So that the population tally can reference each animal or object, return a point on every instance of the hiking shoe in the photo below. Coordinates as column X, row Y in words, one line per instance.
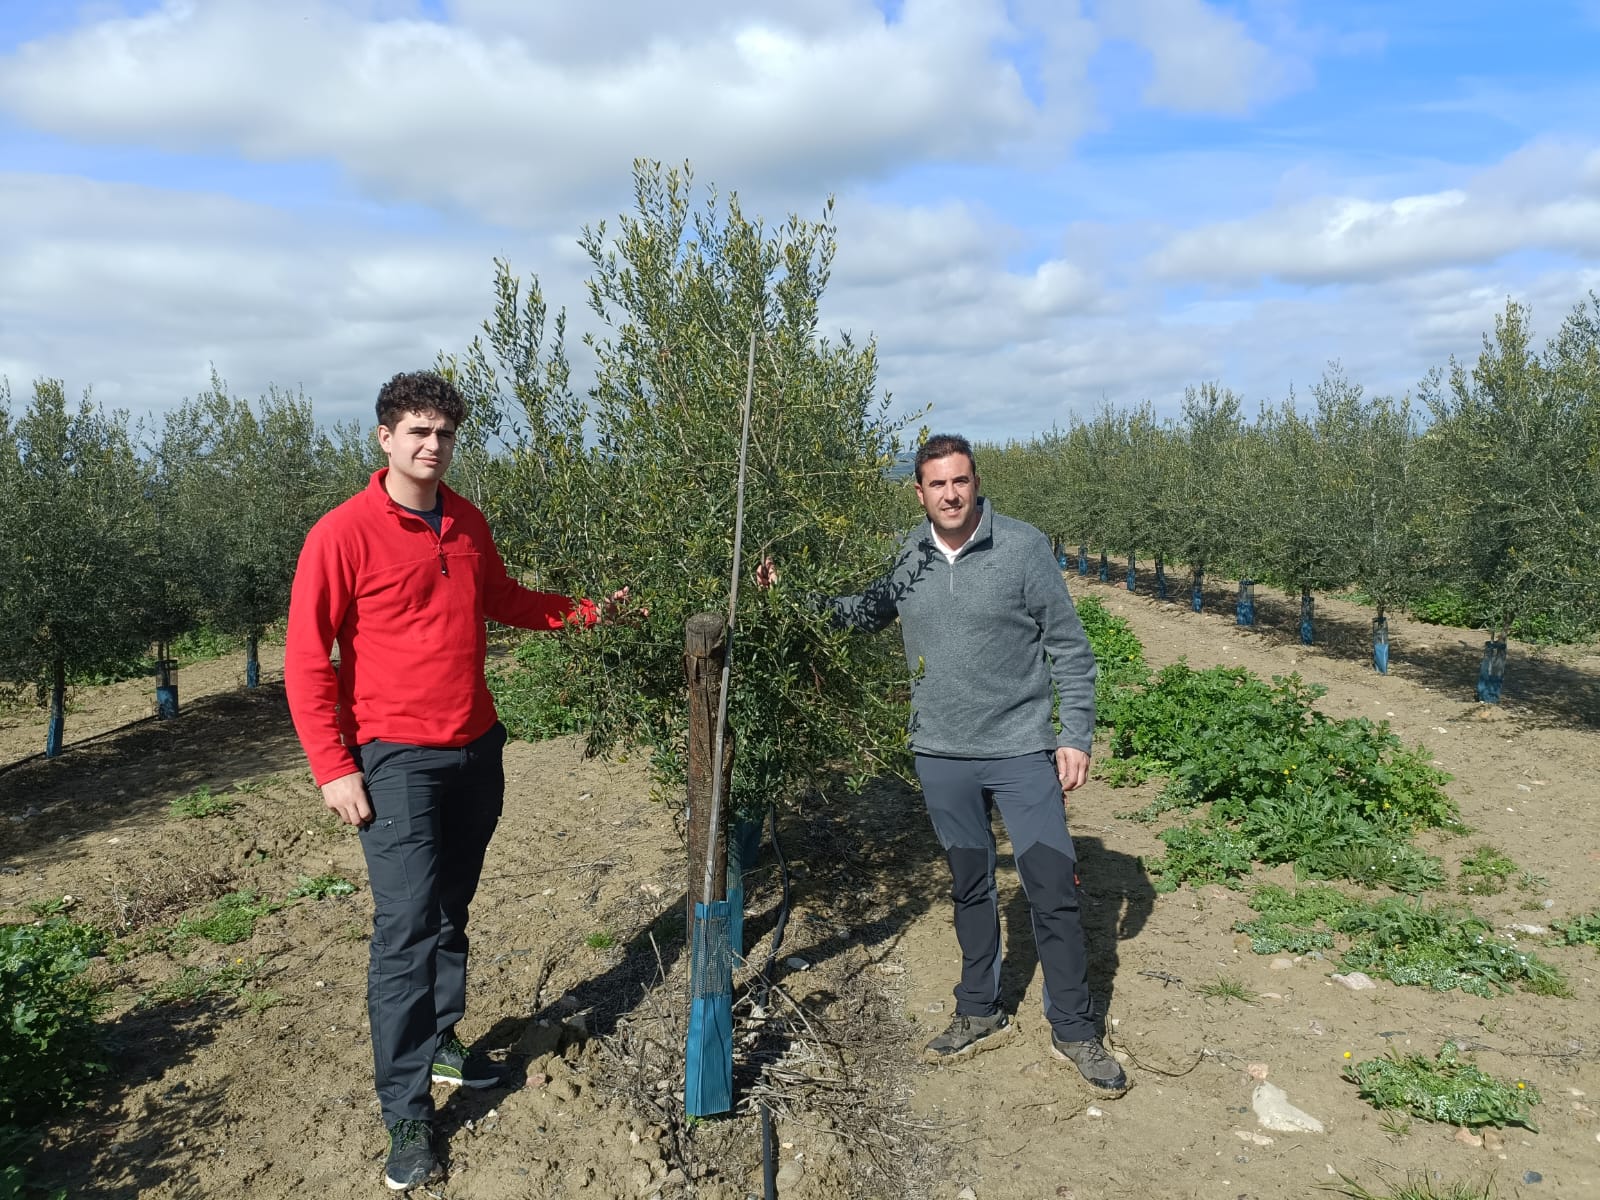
column 1094, row 1063
column 411, row 1159
column 967, row 1035
column 452, row 1064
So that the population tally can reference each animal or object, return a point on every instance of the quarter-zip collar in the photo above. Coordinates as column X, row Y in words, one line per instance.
column 984, row 533
column 380, row 495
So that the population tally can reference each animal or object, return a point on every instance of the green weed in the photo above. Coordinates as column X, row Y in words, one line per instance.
column 600, row 940
column 321, row 887
column 1443, row 948
column 193, row 984
column 1485, row 872
column 1580, row 931
column 1445, row 1089
column 229, row 919
column 1416, row 1187
column 49, row 1043
column 535, row 693
column 201, row 803
column 1226, row 988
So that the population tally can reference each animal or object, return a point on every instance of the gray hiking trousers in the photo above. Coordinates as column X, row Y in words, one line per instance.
column 434, row 811
column 961, row 795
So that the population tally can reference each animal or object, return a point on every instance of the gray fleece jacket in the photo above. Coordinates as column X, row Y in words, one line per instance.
column 985, row 636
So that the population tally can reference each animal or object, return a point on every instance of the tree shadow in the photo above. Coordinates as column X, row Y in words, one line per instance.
column 219, row 739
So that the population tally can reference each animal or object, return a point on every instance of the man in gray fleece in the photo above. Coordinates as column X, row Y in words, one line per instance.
column 988, row 627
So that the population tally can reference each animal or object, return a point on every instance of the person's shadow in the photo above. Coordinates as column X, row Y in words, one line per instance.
column 1116, row 898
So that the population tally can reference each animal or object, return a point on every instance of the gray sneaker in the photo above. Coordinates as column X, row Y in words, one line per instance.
column 967, row 1035
column 454, row 1064
column 1094, row 1063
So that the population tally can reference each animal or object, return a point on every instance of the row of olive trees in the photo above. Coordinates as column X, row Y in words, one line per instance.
column 126, row 536
column 1488, row 492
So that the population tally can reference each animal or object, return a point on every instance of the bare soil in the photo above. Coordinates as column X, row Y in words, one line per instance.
column 262, row 1088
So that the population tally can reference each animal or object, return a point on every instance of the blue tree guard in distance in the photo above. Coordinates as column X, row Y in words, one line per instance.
column 55, row 731
column 1083, row 560
column 1061, row 559
column 1380, row 645
column 252, row 663
column 1492, row 671
column 1244, row 611
column 1161, row 579
column 1105, row 568
column 166, row 691
column 1308, row 628
column 1133, row 574
column 1197, row 595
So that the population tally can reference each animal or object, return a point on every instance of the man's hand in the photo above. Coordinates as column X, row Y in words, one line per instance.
column 766, row 573
column 347, row 797
column 1072, row 768
column 614, row 610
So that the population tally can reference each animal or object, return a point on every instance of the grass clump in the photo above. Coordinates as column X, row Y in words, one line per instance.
column 600, row 940
column 321, row 887
column 1280, row 781
column 1445, row 1088
column 1416, row 1187
column 229, row 919
column 1227, row 989
column 1485, row 872
column 200, row 803
column 196, row 983
column 1580, row 931
column 1442, row 947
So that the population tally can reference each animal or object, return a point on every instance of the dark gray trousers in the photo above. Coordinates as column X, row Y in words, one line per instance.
column 434, row 812
column 961, row 795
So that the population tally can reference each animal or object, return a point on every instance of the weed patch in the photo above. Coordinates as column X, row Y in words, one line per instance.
column 321, row 887
column 1443, row 947
column 536, row 694
column 1445, row 1089
column 194, row 984
column 1580, row 931
column 48, row 1038
column 231, row 918
column 200, row 803
column 1485, row 872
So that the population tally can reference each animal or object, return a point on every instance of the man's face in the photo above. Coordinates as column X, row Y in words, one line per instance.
column 948, row 490
column 419, row 445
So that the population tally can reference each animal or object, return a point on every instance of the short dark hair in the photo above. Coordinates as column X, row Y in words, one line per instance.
column 420, row 392
column 939, row 446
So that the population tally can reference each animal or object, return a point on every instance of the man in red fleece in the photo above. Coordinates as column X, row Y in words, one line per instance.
column 403, row 739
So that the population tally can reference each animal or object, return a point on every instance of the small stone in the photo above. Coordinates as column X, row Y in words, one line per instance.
column 1528, row 929
column 1316, row 1028
column 1257, row 1071
column 967, row 1193
column 936, row 1006
column 1578, row 1092
column 1531, row 1177
column 1092, row 1111
column 797, row 964
column 1493, row 1141
column 789, row 1175
column 1065, row 1193
column 1547, row 905
column 113, row 841
column 1273, row 1111
column 1467, row 1138
column 1356, row 981
column 1251, row 1136
column 1281, row 964
column 1034, row 1070
column 1270, row 995
column 889, row 968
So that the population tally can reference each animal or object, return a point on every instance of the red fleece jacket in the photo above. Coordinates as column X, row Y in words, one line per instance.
column 406, row 607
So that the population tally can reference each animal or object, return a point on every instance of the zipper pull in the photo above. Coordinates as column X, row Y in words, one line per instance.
column 444, row 567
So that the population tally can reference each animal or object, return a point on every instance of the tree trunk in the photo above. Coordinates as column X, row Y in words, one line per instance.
column 252, row 659
column 58, row 709
column 705, row 647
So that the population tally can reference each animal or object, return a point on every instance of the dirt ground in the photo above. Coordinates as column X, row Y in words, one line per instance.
column 262, row 1088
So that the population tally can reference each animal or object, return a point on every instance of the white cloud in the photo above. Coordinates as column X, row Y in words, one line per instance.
column 501, row 118
column 1544, row 197
column 1203, row 59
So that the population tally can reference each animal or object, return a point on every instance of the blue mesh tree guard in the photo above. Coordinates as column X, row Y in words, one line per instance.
column 1083, row 559
column 1197, row 594
column 1308, row 612
column 744, row 848
column 252, row 663
column 1105, row 568
column 166, row 690
column 1380, row 645
column 1492, row 671
column 1244, row 609
column 1133, row 574
column 708, row 1062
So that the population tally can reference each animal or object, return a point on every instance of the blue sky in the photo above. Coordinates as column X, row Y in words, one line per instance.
column 1043, row 205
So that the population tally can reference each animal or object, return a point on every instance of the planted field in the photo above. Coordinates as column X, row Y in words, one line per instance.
column 230, row 915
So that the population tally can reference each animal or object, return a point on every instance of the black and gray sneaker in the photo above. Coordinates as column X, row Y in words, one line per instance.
column 967, row 1035
column 1094, row 1063
column 411, row 1158
column 453, row 1064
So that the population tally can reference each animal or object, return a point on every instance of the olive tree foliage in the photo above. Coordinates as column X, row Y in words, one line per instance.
column 1199, row 487
column 634, row 484
column 245, row 483
column 1512, row 459
column 80, row 548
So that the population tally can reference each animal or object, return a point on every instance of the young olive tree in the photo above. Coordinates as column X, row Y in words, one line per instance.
column 634, row 485
column 1200, row 486
column 80, row 549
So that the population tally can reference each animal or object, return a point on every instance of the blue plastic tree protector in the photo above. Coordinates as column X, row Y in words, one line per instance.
column 56, row 730
column 1061, row 559
column 708, row 1052
column 1161, row 579
column 1244, row 611
column 1197, row 595
column 1105, row 568
column 1492, row 672
column 252, row 664
column 1083, row 560
column 1308, row 609
column 744, row 848
column 1380, row 645
column 167, row 701
column 1133, row 575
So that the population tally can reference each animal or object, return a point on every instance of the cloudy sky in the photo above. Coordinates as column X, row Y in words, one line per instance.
column 1043, row 205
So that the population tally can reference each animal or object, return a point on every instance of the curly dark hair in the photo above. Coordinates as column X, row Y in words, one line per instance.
column 420, row 392
column 942, row 444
